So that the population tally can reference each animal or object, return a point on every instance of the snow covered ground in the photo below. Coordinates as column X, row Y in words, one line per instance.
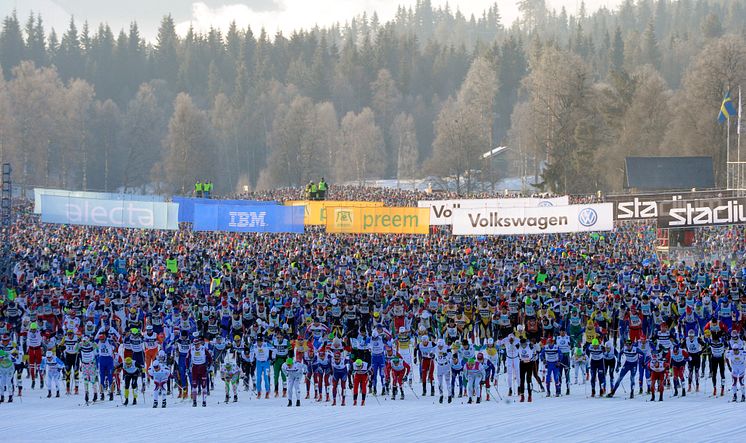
column 568, row 418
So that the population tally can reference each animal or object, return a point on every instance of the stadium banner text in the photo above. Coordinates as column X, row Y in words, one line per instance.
column 645, row 206
column 702, row 212
column 315, row 210
column 242, row 218
column 111, row 213
column 441, row 211
column 186, row 205
column 377, row 220
column 38, row 192
column 542, row 220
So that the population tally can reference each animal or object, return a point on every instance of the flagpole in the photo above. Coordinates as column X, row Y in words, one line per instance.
column 738, row 144
column 727, row 155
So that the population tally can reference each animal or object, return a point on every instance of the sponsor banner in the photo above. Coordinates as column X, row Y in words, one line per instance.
column 245, row 218
column 542, row 220
column 315, row 212
column 38, row 192
column 186, row 205
column 441, row 211
column 702, row 212
column 377, row 220
column 112, row 213
column 645, row 206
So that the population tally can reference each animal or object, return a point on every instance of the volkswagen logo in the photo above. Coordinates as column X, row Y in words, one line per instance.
column 588, row 217
column 545, row 204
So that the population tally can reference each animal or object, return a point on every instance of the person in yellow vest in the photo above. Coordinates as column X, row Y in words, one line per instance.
column 198, row 188
column 208, row 188
column 322, row 189
column 313, row 195
column 308, row 191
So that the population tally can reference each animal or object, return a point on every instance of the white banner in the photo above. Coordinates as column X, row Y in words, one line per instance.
column 113, row 213
column 542, row 220
column 38, row 192
column 441, row 211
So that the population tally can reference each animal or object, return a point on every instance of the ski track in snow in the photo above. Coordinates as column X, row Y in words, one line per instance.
column 574, row 418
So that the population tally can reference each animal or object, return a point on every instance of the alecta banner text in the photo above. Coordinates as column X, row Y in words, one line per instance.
column 315, row 212
column 542, row 220
column 377, row 220
column 186, row 205
column 241, row 218
column 441, row 211
column 113, row 213
column 38, row 192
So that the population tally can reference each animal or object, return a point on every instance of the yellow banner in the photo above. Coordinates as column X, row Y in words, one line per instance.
column 315, row 211
column 378, row 220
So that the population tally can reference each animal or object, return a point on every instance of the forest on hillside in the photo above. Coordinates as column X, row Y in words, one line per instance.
column 427, row 93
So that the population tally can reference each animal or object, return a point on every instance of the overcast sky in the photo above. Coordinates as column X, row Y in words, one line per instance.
column 273, row 15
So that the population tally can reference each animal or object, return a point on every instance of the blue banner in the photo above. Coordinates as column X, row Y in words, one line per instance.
column 186, row 205
column 112, row 213
column 243, row 218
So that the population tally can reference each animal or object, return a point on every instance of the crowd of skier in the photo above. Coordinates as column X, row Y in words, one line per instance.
column 109, row 314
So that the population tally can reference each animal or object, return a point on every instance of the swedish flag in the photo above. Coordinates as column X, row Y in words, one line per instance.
column 727, row 110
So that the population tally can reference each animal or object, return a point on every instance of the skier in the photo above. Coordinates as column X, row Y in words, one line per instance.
column 426, row 353
column 526, row 355
column 34, row 352
column 377, row 361
column 294, row 373
column 87, row 351
column 339, row 377
column 7, row 368
column 135, row 343
column 510, row 344
column 19, row 366
column 736, row 363
column 400, row 370
column 596, row 355
column 231, row 376
column 322, row 374
column 550, row 355
column 280, row 348
column 70, row 342
column 693, row 346
column 106, row 352
column 261, row 355
column 443, row 368
column 658, row 367
column 492, row 363
column 160, row 374
column 150, row 343
column 52, row 368
column 404, row 348
column 631, row 356
column 717, row 361
column 580, row 364
column 198, row 360
column 360, row 380
column 643, row 369
column 678, row 358
column 610, row 357
column 183, row 345
column 131, row 371
column 474, row 371
column 457, row 367
column 564, row 344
